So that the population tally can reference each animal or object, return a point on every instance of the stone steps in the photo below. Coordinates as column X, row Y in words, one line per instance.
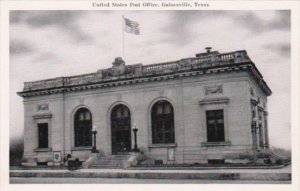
column 113, row 161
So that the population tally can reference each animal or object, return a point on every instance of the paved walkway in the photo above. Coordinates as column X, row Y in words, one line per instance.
column 286, row 169
column 283, row 174
column 37, row 180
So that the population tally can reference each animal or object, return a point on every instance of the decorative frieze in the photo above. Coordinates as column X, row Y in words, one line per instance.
column 42, row 107
column 214, row 101
column 217, row 89
column 42, row 115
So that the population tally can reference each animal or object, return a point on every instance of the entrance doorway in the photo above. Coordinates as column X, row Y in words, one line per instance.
column 120, row 130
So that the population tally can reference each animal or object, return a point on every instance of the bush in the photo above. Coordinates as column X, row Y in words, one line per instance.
column 284, row 153
column 16, row 148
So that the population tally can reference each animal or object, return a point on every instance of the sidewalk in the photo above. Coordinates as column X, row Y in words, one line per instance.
column 211, row 174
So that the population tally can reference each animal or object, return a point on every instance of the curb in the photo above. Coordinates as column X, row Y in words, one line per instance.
column 158, row 175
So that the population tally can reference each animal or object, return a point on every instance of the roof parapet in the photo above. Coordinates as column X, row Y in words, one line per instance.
column 120, row 71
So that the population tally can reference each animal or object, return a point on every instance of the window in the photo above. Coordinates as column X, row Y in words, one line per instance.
column 83, row 128
column 253, row 114
column 260, row 134
column 162, row 118
column 215, row 126
column 120, row 129
column 260, row 115
column 43, row 135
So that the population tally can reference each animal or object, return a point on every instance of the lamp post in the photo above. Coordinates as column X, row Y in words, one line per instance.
column 94, row 132
column 135, row 129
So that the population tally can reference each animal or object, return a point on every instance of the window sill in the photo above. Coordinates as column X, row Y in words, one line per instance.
column 215, row 144
column 81, row 148
column 168, row 145
column 43, row 149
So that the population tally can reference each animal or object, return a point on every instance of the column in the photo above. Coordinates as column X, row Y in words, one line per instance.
column 267, row 144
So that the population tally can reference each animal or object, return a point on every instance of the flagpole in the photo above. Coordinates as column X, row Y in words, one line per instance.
column 123, row 49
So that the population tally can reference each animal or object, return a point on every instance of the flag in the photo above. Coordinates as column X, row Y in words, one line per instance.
column 131, row 26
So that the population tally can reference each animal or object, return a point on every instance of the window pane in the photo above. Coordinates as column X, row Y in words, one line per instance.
column 81, row 116
column 219, row 113
column 119, row 114
column 87, row 115
column 215, row 125
column 211, row 121
column 209, row 114
column 167, row 109
column 220, row 121
column 125, row 113
column 159, row 109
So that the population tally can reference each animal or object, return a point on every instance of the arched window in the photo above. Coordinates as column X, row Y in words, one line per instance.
column 120, row 129
column 83, row 128
column 162, row 118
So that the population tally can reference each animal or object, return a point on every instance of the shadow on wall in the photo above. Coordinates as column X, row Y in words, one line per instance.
column 16, row 149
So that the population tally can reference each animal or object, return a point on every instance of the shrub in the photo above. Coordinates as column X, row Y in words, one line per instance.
column 16, row 152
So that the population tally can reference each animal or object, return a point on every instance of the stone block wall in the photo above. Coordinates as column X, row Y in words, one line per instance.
column 190, row 97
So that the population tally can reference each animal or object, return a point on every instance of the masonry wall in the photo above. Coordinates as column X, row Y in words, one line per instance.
column 261, row 109
column 55, row 127
column 184, row 94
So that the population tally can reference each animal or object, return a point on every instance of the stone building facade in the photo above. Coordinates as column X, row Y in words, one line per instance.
column 208, row 108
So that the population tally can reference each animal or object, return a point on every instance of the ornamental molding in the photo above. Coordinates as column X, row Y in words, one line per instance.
column 121, row 80
column 42, row 107
column 253, row 102
column 217, row 89
column 208, row 63
column 261, row 109
column 215, row 144
column 214, row 101
column 44, row 115
column 167, row 145
column 257, row 77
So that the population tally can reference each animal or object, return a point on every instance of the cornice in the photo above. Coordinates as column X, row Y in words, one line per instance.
column 254, row 102
column 259, row 80
column 121, row 75
column 137, row 80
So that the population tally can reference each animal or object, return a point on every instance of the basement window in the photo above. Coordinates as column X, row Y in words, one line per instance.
column 216, row 161
column 42, row 163
column 158, row 162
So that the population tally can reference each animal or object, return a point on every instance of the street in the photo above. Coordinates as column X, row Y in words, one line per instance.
column 38, row 180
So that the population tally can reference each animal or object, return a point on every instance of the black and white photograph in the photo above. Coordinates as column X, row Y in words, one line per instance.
column 160, row 96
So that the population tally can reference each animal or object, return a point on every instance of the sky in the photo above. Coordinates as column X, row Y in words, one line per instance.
column 49, row 44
